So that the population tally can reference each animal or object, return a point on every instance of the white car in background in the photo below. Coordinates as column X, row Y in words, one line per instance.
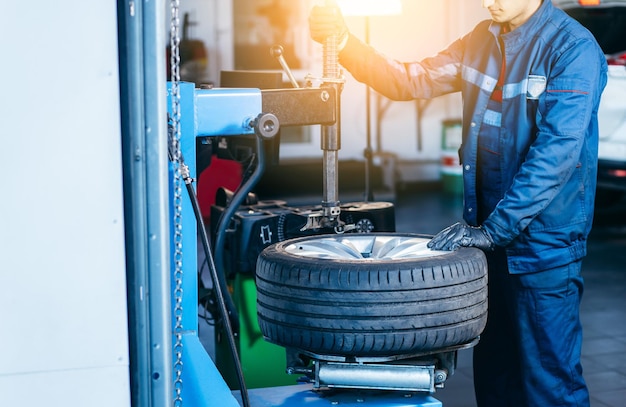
column 606, row 19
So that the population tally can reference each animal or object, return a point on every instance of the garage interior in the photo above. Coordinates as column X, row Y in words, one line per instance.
column 65, row 230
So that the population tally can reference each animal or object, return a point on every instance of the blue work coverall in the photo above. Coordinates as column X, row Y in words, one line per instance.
column 529, row 169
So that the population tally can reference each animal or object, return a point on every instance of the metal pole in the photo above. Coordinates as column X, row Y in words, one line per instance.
column 331, row 135
column 369, row 195
column 144, row 133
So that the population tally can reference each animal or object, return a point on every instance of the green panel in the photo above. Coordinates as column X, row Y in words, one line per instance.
column 263, row 363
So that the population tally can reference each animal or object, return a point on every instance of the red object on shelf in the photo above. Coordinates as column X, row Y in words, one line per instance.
column 220, row 173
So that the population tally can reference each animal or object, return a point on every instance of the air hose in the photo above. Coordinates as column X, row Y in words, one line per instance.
column 238, row 198
column 230, row 333
column 219, row 290
column 266, row 126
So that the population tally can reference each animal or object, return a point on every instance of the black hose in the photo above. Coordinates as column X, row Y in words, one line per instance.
column 225, row 303
column 219, row 283
column 219, row 295
column 229, row 212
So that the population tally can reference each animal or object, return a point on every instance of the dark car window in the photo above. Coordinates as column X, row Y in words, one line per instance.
column 608, row 25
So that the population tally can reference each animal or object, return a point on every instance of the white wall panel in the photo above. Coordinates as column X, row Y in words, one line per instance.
column 63, row 324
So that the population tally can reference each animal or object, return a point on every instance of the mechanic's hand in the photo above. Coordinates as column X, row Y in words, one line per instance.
column 325, row 21
column 461, row 235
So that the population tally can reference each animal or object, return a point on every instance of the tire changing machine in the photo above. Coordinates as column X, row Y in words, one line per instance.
column 218, row 116
column 222, row 113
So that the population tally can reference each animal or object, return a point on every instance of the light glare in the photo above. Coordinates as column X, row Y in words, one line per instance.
column 370, row 7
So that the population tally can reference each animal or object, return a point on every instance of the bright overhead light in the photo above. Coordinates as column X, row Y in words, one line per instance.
column 370, row 7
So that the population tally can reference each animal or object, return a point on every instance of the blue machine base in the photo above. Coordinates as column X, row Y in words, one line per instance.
column 303, row 395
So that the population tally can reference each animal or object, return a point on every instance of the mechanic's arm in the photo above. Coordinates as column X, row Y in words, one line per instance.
column 391, row 78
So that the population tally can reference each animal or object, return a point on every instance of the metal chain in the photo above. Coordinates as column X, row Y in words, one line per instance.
column 177, row 201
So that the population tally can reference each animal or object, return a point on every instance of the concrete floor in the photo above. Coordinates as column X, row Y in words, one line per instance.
column 425, row 209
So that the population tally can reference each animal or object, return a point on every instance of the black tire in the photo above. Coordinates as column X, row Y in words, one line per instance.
column 370, row 306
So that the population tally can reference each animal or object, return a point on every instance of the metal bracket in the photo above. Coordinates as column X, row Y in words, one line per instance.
column 301, row 107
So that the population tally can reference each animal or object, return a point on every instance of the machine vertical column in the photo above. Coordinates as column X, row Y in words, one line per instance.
column 331, row 135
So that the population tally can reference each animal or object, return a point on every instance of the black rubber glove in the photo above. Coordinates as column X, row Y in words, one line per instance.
column 325, row 21
column 461, row 235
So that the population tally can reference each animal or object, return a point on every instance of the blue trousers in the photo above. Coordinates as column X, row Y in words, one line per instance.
column 529, row 353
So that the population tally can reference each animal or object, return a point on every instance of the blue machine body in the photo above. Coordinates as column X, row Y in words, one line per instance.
column 226, row 112
column 229, row 112
column 203, row 384
column 302, row 396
